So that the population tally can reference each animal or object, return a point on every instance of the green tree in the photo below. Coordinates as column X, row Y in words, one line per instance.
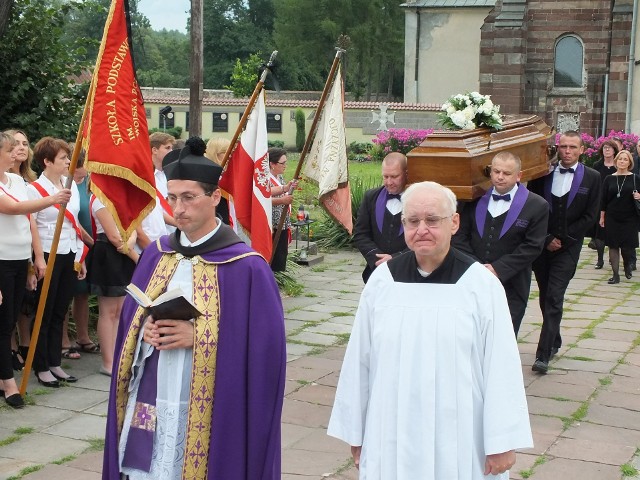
column 232, row 29
column 305, row 32
column 41, row 94
column 301, row 136
column 245, row 76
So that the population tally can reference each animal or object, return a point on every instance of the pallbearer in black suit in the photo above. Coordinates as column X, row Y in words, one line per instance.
column 505, row 230
column 378, row 232
column 573, row 194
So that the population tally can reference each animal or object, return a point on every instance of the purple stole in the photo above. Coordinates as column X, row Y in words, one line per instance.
column 139, row 447
column 575, row 185
column 381, row 207
column 515, row 208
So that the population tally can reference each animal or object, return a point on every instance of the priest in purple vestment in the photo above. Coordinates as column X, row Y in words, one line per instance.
column 199, row 399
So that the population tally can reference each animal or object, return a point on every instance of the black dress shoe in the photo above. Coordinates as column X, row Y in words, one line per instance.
column 613, row 280
column 628, row 275
column 15, row 401
column 51, row 384
column 599, row 265
column 68, row 379
column 540, row 366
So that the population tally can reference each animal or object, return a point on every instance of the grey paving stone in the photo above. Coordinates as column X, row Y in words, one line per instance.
column 319, row 464
column 305, row 414
column 559, row 468
column 307, row 316
column 62, row 472
column 603, row 433
column 314, row 338
column 41, row 448
column 298, row 350
column 80, row 427
column 315, row 393
column 330, row 328
column 601, row 344
column 629, row 401
column 591, row 451
column 577, row 365
column 613, row 416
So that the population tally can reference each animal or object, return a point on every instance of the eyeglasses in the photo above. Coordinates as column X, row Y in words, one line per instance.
column 281, row 163
column 186, row 199
column 413, row 223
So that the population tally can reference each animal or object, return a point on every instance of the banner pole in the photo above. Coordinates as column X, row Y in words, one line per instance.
column 310, row 137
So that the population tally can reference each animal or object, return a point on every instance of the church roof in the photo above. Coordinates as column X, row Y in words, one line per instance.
column 448, row 3
column 222, row 98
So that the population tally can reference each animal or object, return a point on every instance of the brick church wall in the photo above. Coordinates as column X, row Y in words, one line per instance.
column 517, row 60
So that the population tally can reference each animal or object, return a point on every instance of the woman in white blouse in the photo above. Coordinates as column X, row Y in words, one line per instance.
column 52, row 155
column 15, row 252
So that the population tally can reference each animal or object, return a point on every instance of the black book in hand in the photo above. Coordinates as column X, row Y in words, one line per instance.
column 171, row 305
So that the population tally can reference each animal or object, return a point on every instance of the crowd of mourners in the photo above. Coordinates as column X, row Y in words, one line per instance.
column 92, row 259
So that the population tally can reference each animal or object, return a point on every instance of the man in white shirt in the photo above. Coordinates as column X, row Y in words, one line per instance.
column 160, row 220
column 378, row 232
column 572, row 192
column 505, row 230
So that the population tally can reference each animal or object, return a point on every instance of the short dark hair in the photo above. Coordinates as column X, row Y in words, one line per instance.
column 275, row 154
column 572, row 133
column 48, row 148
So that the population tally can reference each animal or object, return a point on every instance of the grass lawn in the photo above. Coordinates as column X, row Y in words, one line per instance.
column 307, row 194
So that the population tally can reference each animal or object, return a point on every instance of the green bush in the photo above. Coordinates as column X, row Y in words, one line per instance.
column 301, row 136
column 275, row 143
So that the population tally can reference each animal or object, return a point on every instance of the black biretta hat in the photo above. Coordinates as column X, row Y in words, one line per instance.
column 192, row 164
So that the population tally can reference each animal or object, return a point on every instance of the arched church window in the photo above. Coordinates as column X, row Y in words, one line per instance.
column 569, row 61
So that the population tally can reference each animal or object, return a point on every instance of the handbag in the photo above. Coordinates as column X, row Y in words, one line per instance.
column 635, row 202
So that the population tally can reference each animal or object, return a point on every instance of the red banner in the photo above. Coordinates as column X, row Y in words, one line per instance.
column 115, row 134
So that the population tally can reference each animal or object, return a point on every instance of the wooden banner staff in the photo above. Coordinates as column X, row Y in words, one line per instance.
column 312, row 133
column 52, row 254
column 249, row 109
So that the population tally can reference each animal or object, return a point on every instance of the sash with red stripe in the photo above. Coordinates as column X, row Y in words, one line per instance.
column 69, row 216
column 28, row 215
column 164, row 204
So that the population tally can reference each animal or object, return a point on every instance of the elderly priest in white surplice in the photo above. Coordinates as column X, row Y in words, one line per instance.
column 431, row 386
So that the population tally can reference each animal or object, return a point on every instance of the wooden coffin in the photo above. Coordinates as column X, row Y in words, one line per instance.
column 459, row 159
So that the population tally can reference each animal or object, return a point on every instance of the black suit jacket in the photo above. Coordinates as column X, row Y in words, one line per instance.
column 369, row 239
column 582, row 207
column 512, row 252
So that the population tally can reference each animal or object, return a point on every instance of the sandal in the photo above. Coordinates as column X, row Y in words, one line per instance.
column 89, row 347
column 17, row 361
column 71, row 353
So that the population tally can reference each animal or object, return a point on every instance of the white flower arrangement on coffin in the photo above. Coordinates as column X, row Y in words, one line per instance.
column 468, row 111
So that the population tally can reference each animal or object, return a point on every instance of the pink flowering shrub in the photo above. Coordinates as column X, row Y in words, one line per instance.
column 397, row 140
column 592, row 145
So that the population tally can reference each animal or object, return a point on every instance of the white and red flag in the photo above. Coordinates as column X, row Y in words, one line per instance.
column 246, row 180
column 327, row 163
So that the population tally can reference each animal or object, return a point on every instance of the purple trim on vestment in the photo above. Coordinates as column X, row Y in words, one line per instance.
column 250, row 368
column 575, row 185
column 381, row 207
column 515, row 208
column 139, row 447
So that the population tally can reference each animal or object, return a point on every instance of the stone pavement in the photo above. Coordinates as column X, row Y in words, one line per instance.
column 585, row 413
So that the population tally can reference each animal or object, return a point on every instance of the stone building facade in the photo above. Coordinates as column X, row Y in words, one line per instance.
column 566, row 61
